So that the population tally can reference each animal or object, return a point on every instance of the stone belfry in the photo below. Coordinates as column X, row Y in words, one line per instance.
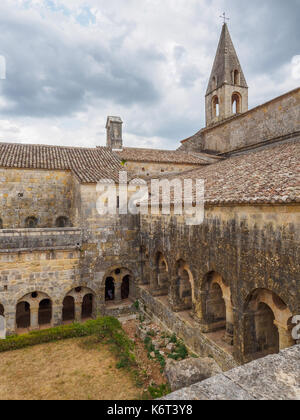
column 227, row 91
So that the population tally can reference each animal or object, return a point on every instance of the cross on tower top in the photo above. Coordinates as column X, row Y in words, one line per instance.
column 224, row 17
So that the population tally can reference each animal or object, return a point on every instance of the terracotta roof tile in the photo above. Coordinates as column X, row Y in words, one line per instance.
column 164, row 156
column 88, row 164
column 266, row 175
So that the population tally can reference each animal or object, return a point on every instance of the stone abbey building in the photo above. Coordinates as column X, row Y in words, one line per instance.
column 229, row 287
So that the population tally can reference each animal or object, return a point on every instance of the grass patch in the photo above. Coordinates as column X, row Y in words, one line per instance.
column 66, row 370
column 107, row 328
column 157, row 391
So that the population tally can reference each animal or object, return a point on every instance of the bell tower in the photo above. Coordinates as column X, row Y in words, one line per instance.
column 227, row 91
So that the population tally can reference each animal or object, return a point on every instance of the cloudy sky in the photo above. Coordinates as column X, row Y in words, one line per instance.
column 70, row 63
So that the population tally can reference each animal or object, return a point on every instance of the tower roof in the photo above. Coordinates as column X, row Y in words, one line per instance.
column 226, row 62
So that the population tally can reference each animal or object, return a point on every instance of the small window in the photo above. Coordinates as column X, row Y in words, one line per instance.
column 236, row 103
column 215, row 107
column 1, row 224
column 62, row 222
column 31, row 222
column 236, row 77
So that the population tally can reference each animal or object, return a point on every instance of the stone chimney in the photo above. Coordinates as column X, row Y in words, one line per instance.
column 114, row 133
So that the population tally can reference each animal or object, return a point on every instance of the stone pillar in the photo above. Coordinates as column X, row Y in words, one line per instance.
column 34, row 317
column 199, row 310
column 78, row 309
column 239, row 336
column 2, row 328
column 57, row 315
column 118, row 294
column 229, row 322
column 153, row 280
column 10, row 317
column 173, row 293
column 285, row 336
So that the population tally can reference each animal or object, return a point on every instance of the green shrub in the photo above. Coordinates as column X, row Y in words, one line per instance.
column 159, row 391
column 92, row 327
column 149, row 345
column 136, row 305
column 180, row 352
column 173, row 339
column 160, row 358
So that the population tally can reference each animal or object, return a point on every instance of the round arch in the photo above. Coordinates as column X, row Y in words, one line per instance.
column 184, row 287
column 161, row 280
column 215, row 106
column 236, row 103
column 118, row 282
column 266, row 324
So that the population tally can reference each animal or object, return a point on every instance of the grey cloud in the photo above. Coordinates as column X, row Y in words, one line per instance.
column 49, row 76
column 268, row 31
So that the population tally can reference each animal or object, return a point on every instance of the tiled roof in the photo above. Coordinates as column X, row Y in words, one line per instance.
column 88, row 164
column 164, row 156
column 266, row 175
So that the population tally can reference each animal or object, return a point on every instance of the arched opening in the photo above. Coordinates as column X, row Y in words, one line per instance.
column 215, row 306
column 215, row 107
column 236, row 77
column 261, row 334
column 125, row 288
column 267, row 324
column 1, row 310
column 62, row 222
column 87, row 306
column 45, row 312
column 216, row 313
column 162, row 275
column 185, row 289
column 68, row 308
column 31, row 222
column 184, row 299
column 23, row 315
column 109, row 289
column 236, row 103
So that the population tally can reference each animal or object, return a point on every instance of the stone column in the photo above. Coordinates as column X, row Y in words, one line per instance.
column 285, row 336
column 78, row 309
column 34, row 317
column 57, row 315
column 153, row 280
column 229, row 322
column 10, row 318
column 118, row 294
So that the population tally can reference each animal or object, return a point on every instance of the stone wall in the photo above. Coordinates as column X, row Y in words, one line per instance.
column 110, row 242
column 239, row 257
column 45, row 195
column 184, row 327
column 275, row 377
column 53, row 262
column 33, row 239
column 53, row 273
column 156, row 169
column 277, row 118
